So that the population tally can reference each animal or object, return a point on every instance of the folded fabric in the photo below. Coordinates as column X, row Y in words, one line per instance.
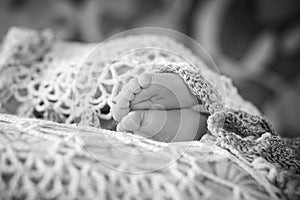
column 46, row 160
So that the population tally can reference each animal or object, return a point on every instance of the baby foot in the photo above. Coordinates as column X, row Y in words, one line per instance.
column 165, row 125
column 153, row 91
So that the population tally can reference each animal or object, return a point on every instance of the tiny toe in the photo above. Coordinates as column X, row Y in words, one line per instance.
column 134, row 86
column 132, row 121
column 126, row 94
column 144, row 80
column 122, row 103
column 118, row 113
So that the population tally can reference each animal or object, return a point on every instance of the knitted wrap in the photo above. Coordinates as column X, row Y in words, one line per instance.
column 240, row 158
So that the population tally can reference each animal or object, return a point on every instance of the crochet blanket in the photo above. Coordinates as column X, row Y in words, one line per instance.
column 239, row 158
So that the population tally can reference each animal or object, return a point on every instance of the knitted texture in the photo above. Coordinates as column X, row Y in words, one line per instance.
column 47, row 80
column 56, row 85
column 45, row 160
column 248, row 136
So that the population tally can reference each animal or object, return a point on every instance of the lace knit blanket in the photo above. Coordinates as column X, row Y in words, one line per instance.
column 71, row 154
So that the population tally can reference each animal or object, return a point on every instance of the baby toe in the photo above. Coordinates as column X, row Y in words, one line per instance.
column 122, row 103
column 144, row 80
column 118, row 113
column 126, row 94
column 132, row 121
column 133, row 86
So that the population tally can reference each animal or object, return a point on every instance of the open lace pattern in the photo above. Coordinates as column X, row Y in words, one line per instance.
column 40, row 78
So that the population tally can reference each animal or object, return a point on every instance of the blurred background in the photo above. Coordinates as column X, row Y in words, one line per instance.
column 255, row 42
